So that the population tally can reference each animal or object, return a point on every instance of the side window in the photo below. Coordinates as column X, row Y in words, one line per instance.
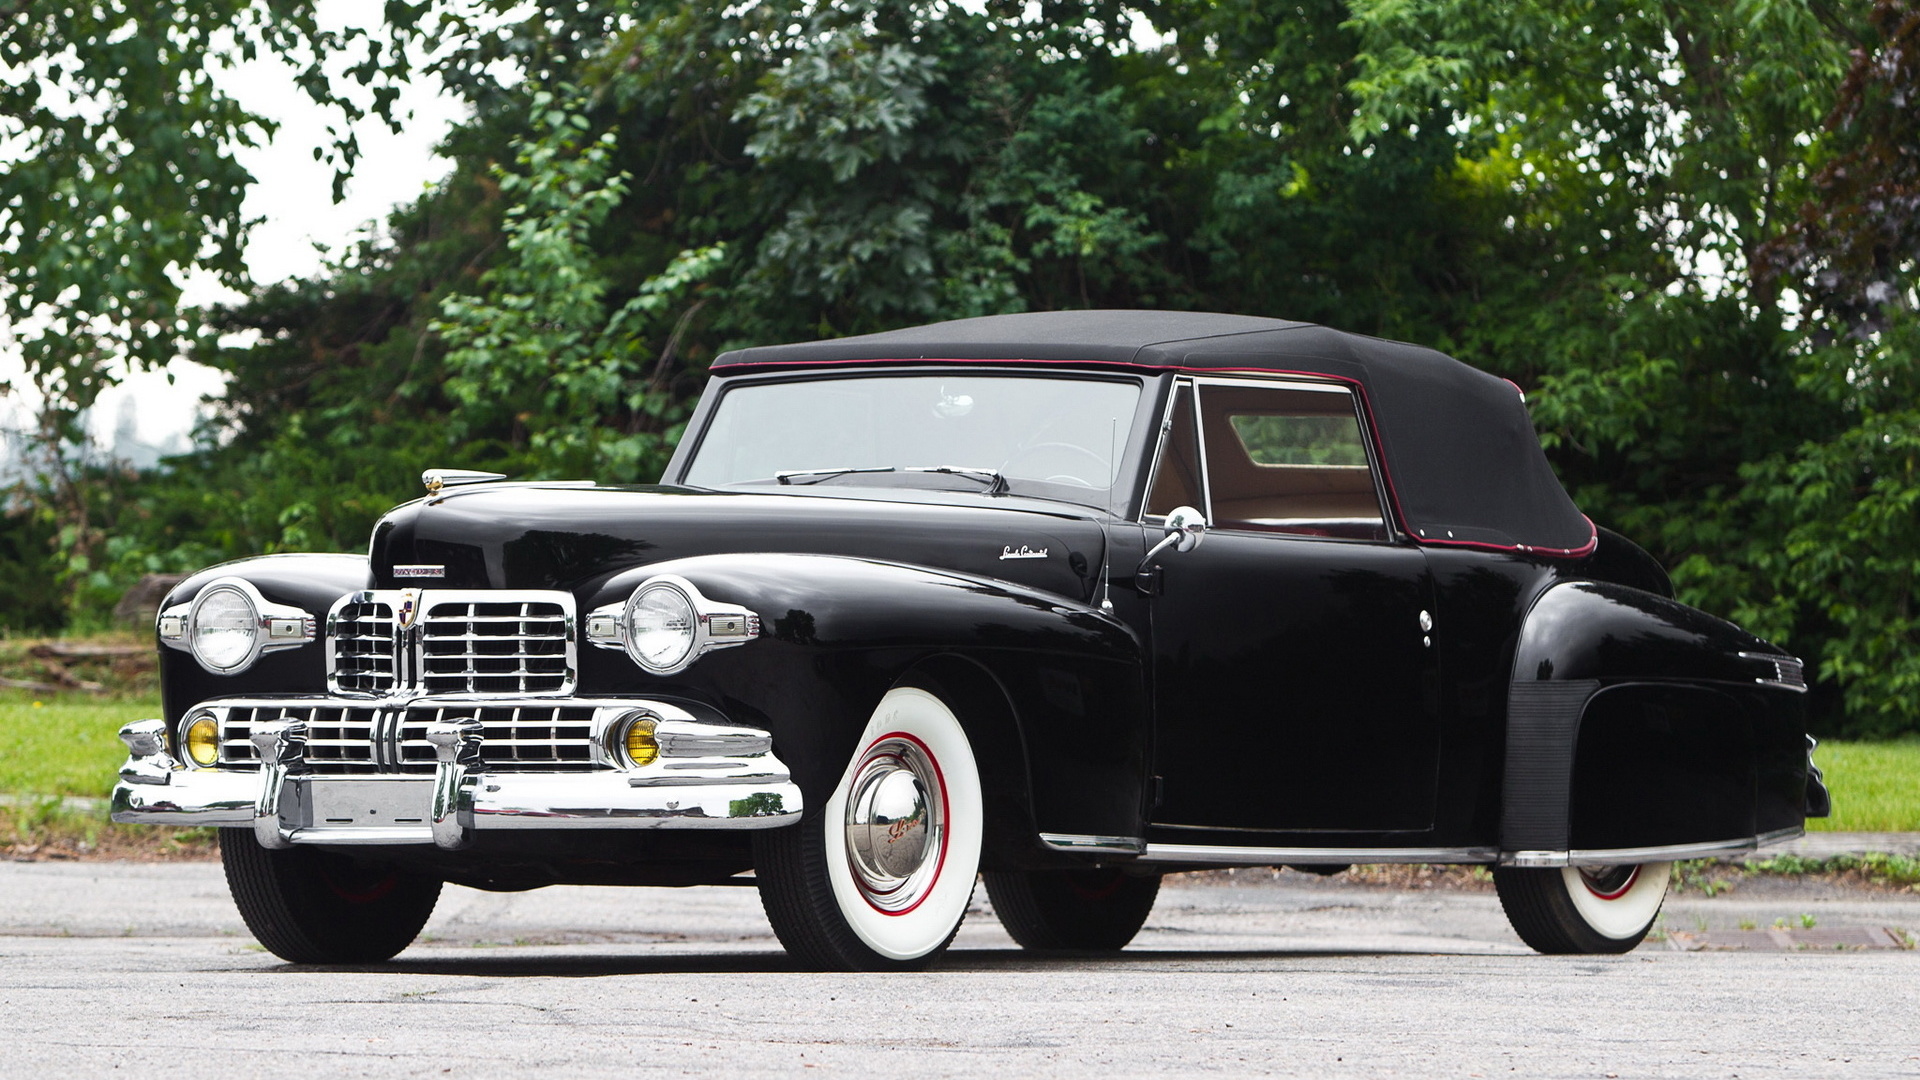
column 1177, row 482
column 1289, row 461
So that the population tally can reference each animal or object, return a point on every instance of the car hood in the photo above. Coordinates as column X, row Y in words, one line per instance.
column 574, row 537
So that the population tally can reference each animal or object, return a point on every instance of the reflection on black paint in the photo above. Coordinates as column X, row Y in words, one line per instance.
column 796, row 626
column 559, row 560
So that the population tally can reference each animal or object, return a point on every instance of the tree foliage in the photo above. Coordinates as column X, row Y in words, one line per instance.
column 1689, row 231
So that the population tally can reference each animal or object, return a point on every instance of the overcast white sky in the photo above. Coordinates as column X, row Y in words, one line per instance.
column 301, row 227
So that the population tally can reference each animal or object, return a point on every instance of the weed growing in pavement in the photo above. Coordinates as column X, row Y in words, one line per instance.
column 1876, row 868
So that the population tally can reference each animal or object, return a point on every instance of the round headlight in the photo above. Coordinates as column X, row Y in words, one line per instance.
column 202, row 741
column 660, row 622
column 224, row 629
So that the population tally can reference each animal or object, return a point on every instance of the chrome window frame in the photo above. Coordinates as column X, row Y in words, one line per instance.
column 1197, row 384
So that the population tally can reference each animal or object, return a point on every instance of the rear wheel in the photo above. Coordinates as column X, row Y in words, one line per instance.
column 879, row 877
column 310, row 906
column 1595, row 909
column 1093, row 910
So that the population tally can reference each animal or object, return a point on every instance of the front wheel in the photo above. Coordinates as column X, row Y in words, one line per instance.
column 880, row 877
column 1583, row 909
column 309, row 906
column 1093, row 910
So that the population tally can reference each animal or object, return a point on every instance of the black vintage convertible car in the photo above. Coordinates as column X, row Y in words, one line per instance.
column 1069, row 600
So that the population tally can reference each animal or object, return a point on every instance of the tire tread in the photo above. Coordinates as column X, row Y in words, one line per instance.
column 282, row 897
column 1041, row 911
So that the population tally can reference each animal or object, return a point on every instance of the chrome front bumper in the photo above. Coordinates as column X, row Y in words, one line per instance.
column 735, row 782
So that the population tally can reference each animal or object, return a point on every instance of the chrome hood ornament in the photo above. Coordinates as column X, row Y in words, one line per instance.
column 435, row 479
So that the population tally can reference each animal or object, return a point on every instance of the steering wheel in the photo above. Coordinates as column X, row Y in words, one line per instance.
column 1099, row 463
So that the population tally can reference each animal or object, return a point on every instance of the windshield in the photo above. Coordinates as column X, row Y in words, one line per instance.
column 1052, row 437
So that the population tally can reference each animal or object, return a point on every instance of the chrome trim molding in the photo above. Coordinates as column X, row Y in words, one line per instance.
column 1661, row 853
column 1789, row 672
column 1118, row 845
column 1212, row 855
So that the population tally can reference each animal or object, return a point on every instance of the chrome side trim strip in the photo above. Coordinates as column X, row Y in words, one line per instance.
column 1661, row 853
column 1121, row 845
column 1210, row 855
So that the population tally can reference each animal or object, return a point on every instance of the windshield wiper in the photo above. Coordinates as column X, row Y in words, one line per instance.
column 996, row 484
column 828, row 474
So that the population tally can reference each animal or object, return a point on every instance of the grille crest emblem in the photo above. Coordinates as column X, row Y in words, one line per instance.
column 409, row 607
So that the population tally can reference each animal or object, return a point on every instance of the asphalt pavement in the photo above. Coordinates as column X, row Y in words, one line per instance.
column 110, row 967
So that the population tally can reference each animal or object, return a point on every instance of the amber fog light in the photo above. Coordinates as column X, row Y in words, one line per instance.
column 201, row 741
column 637, row 741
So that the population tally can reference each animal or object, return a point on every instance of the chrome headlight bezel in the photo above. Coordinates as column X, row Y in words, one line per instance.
column 274, row 626
column 713, row 626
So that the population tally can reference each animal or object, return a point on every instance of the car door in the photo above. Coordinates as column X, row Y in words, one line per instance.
column 1295, row 684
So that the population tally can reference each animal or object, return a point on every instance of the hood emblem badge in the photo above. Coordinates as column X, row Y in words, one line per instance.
column 409, row 607
column 1022, row 552
column 402, row 571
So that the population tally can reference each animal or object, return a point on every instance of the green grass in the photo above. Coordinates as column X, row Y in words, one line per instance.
column 1875, row 785
column 65, row 745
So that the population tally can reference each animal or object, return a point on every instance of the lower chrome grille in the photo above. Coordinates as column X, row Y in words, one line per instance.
column 339, row 739
column 344, row 739
column 547, row 737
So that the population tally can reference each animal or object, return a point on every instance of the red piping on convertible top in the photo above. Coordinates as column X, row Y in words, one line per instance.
column 1393, row 493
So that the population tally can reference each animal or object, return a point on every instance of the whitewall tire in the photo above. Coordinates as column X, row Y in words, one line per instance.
column 881, row 877
column 1600, row 909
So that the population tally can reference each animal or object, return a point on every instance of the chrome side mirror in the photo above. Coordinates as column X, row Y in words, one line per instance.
column 1186, row 527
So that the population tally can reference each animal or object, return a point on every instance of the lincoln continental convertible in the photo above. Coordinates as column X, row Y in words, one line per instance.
column 1060, row 603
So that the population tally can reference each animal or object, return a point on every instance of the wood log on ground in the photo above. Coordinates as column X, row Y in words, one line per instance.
column 65, row 650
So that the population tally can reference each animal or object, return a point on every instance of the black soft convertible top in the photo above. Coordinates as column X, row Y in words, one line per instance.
column 1463, row 463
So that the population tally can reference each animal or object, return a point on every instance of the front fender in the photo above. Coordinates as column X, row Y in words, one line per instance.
column 311, row 582
column 837, row 633
column 1634, row 721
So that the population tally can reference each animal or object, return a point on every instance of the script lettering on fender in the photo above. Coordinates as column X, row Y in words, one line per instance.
column 1022, row 552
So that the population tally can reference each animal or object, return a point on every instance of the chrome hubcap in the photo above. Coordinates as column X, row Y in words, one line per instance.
column 894, row 830
column 1609, row 882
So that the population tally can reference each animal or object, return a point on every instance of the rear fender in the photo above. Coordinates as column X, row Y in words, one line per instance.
column 1634, row 721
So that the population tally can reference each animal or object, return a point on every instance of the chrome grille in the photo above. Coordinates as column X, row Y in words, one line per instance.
column 340, row 739
column 547, row 737
column 345, row 739
column 403, row 642
column 494, row 647
column 363, row 648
